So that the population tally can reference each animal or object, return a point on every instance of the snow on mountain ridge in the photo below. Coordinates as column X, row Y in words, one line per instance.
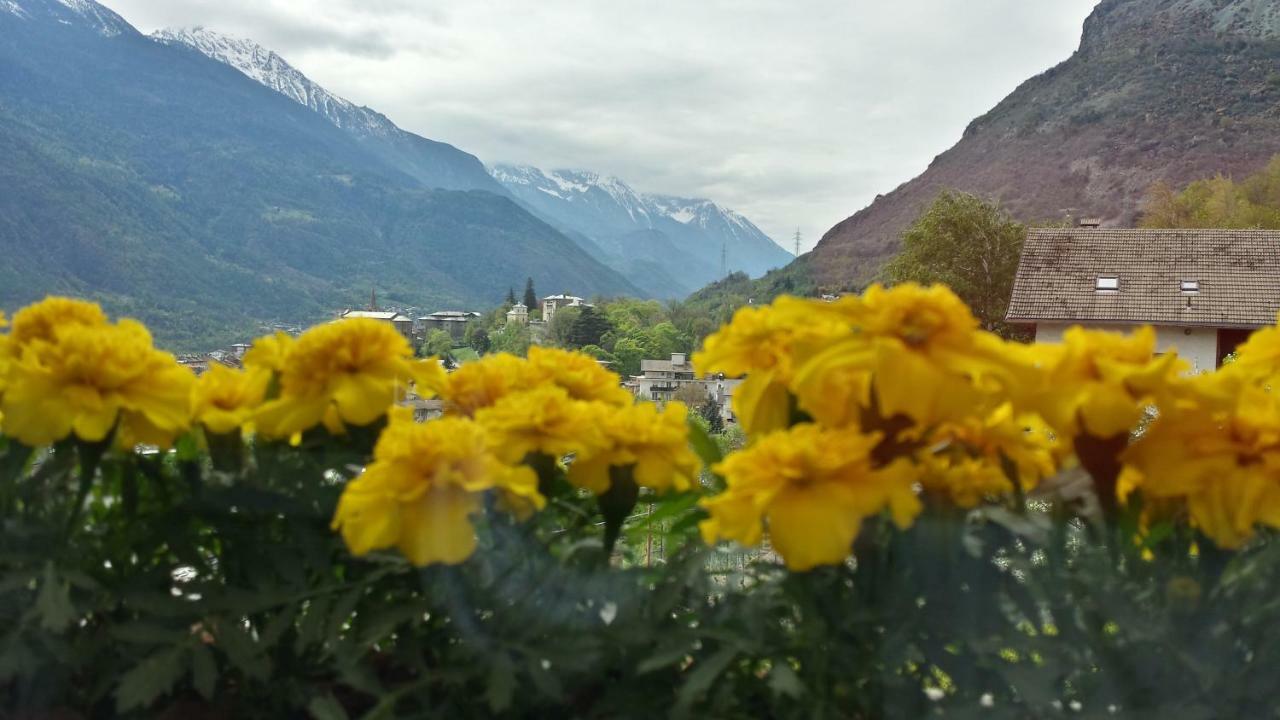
column 269, row 69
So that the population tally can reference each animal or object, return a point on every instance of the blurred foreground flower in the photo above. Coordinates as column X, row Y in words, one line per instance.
column 70, row 371
column 348, row 371
column 424, row 484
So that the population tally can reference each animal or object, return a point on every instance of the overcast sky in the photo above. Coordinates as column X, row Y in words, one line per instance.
column 796, row 113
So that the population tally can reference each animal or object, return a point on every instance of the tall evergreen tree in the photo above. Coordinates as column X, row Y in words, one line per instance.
column 511, row 297
column 710, row 411
column 530, row 297
column 589, row 327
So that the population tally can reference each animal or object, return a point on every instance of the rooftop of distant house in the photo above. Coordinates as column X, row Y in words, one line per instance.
column 1211, row 278
column 374, row 314
column 678, row 362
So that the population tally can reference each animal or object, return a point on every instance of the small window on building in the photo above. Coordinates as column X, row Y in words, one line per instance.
column 1107, row 282
column 1190, row 286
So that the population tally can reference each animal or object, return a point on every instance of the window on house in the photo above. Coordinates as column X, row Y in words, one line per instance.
column 1107, row 282
column 1190, row 286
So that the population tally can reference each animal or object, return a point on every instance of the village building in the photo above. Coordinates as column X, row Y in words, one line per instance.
column 402, row 323
column 1204, row 291
column 519, row 313
column 660, row 380
column 551, row 303
column 453, row 322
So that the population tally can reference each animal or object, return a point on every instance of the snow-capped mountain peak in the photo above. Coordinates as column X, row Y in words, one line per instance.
column 659, row 240
column 271, row 70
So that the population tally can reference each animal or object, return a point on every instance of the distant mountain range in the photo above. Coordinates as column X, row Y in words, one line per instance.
column 178, row 190
column 1171, row 90
column 671, row 245
column 667, row 246
column 434, row 164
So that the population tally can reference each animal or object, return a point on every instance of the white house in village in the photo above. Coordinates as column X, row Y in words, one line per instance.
column 518, row 314
column 551, row 303
column 660, row 380
column 1204, row 291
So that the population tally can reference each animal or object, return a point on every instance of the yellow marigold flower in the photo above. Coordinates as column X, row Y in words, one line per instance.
column 767, row 344
column 581, row 375
column 918, row 348
column 269, row 352
column 1099, row 382
column 543, row 420
column 966, row 459
column 89, row 377
column 480, row 384
column 1223, row 460
column 425, row 482
column 812, row 486
column 45, row 319
column 772, row 338
column 1259, row 356
column 349, row 371
column 655, row 442
column 224, row 400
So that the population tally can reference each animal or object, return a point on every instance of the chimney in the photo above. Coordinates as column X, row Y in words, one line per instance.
column 1090, row 222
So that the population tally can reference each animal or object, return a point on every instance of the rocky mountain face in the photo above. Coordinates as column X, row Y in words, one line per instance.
column 1170, row 90
column 177, row 190
column 668, row 245
column 433, row 163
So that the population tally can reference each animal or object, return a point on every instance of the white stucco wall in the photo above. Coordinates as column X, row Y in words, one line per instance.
column 1197, row 345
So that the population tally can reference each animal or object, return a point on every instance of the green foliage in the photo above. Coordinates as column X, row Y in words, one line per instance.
column 1218, row 202
column 969, row 244
column 710, row 411
column 181, row 589
column 511, row 338
column 589, row 328
column 530, row 297
column 560, row 329
column 438, row 343
column 477, row 338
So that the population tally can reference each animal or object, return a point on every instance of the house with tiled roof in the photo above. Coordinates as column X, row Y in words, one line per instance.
column 1204, row 291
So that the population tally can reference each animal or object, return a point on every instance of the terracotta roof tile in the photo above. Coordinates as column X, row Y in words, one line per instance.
column 1238, row 272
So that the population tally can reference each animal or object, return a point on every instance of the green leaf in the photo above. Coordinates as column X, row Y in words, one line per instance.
column 501, row 685
column 204, row 671
column 241, row 650
column 325, row 707
column 144, row 633
column 54, row 601
column 669, row 653
column 783, row 680
column 149, row 679
column 699, row 680
column 703, row 444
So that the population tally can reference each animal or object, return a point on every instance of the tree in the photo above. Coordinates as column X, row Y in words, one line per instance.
column 693, row 394
column 969, row 244
column 511, row 338
column 530, row 297
column 560, row 329
column 478, row 338
column 588, row 328
column 511, row 297
column 438, row 343
column 1217, row 202
column 710, row 411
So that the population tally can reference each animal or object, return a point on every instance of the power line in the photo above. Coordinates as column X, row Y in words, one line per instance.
column 797, row 242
